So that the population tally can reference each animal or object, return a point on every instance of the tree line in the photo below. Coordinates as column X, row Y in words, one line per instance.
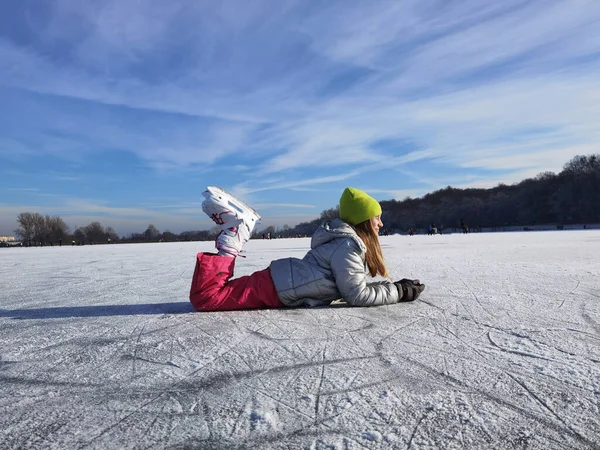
column 569, row 197
column 35, row 229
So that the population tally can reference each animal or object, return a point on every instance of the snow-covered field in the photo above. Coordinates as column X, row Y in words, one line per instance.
column 100, row 348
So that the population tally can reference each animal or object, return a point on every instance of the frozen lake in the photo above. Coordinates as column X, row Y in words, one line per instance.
column 100, row 348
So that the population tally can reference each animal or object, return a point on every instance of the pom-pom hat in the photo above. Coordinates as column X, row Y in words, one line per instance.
column 356, row 206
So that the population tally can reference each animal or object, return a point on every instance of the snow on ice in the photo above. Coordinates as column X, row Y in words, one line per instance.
column 100, row 348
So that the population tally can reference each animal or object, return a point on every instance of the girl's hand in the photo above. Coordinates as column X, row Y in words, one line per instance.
column 409, row 289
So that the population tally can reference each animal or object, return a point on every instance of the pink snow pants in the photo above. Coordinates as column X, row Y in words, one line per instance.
column 213, row 290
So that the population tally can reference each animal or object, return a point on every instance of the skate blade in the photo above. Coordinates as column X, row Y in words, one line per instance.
column 232, row 201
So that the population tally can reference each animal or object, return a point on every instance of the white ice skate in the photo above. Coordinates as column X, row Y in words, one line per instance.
column 236, row 219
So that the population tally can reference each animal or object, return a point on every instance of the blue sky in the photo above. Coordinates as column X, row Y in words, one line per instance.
column 123, row 111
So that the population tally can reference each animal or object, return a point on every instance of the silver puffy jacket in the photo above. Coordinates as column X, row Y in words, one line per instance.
column 333, row 269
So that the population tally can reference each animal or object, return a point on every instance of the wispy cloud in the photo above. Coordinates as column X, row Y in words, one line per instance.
column 23, row 190
column 283, row 205
column 243, row 189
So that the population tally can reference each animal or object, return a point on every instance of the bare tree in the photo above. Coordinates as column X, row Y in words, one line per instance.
column 26, row 230
column 582, row 164
column 331, row 213
column 39, row 228
column 151, row 233
column 168, row 236
column 33, row 227
column 55, row 228
column 94, row 232
column 79, row 235
column 270, row 230
column 111, row 234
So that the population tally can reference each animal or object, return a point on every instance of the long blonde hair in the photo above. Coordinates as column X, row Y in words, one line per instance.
column 374, row 256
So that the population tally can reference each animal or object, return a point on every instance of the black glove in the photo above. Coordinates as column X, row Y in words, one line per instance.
column 409, row 289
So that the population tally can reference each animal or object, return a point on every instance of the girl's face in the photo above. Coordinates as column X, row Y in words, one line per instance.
column 376, row 223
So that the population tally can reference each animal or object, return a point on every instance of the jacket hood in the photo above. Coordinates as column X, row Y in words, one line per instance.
column 335, row 229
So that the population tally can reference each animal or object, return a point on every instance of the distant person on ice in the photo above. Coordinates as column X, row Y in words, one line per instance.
column 343, row 252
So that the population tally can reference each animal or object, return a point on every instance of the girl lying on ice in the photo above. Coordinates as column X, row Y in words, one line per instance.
column 343, row 252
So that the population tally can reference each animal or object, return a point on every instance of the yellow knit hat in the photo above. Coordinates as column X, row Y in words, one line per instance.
column 356, row 206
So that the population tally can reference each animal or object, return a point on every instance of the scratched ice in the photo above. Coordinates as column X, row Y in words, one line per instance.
column 100, row 349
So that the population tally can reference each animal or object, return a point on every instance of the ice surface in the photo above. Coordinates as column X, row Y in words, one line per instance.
column 100, row 349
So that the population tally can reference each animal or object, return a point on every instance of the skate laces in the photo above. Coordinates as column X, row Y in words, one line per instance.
column 231, row 231
column 230, row 241
column 217, row 218
column 225, row 217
